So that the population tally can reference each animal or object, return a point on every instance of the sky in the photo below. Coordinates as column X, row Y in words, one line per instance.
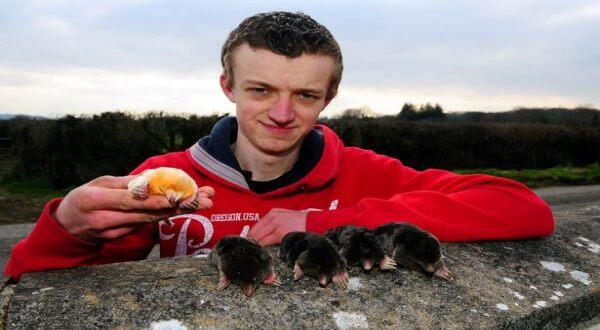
column 62, row 57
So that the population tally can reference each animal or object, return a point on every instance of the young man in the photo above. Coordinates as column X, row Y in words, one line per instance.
column 271, row 171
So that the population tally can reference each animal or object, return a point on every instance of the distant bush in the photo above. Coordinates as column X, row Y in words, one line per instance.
column 72, row 150
column 427, row 111
column 580, row 116
column 555, row 116
column 474, row 145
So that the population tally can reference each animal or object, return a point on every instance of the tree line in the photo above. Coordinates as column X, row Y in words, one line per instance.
column 74, row 149
column 581, row 116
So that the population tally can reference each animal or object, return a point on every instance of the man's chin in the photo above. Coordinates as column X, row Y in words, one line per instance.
column 279, row 149
column 277, row 152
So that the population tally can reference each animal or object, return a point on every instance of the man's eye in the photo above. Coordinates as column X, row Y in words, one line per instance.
column 307, row 96
column 258, row 90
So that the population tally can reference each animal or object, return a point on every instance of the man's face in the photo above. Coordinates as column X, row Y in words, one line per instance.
column 278, row 99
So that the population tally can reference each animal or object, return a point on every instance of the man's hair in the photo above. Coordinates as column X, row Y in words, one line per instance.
column 284, row 33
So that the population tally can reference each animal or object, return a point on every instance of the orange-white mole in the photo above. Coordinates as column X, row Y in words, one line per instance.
column 173, row 183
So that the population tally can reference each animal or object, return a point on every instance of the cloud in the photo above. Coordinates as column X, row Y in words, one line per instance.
column 76, row 91
column 584, row 13
column 12, row 78
column 456, row 98
column 90, row 91
column 53, row 25
column 69, row 56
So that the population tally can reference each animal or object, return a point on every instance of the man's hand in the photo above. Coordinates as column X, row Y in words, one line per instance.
column 276, row 224
column 103, row 209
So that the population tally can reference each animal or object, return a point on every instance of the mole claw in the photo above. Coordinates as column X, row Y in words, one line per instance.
column 298, row 273
column 342, row 284
column 443, row 273
column 341, row 280
column 272, row 279
column 387, row 264
column 223, row 283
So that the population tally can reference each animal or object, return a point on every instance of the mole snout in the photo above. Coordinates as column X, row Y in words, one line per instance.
column 316, row 256
column 243, row 261
column 413, row 248
column 359, row 246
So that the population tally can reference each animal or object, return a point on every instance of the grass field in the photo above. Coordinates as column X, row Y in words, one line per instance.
column 23, row 201
column 556, row 176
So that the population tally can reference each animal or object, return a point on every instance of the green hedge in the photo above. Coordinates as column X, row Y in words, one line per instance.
column 474, row 145
column 72, row 150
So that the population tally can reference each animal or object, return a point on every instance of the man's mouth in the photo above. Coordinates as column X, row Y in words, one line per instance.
column 278, row 129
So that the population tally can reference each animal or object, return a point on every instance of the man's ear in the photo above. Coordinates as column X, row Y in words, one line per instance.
column 226, row 87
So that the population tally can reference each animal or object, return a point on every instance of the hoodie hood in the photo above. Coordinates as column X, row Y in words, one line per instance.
column 212, row 156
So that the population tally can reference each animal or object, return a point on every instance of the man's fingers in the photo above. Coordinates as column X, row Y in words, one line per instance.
column 258, row 227
column 205, row 203
column 261, row 232
column 206, row 191
column 119, row 199
column 115, row 220
column 112, row 182
column 261, row 229
column 203, row 196
column 119, row 232
column 272, row 239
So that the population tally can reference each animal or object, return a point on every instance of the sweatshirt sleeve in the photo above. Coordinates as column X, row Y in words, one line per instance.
column 49, row 246
column 453, row 207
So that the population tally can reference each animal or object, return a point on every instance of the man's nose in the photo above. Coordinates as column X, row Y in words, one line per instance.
column 282, row 112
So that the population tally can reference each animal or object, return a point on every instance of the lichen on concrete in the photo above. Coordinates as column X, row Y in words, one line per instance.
column 6, row 291
column 496, row 285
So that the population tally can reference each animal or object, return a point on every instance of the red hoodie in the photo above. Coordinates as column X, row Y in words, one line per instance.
column 348, row 185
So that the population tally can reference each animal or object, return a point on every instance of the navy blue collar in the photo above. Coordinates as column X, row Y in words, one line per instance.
column 224, row 134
